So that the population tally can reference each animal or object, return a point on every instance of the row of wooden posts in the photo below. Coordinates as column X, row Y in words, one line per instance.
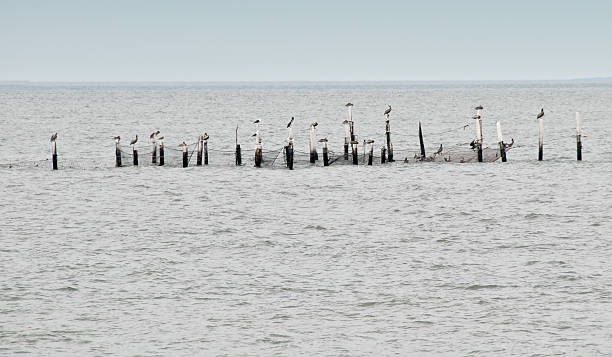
column 350, row 139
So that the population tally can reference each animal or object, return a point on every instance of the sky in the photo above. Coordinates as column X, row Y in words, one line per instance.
column 375, row 40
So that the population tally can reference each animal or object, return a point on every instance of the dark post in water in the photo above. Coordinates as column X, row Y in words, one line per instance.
column 578, row 138
column 205, row 148
column 154, row 152
column 258, row 148
column 421, row 142
column 238, row 152
column 135, row 156
column 478, row 141
column 161, row 151
column 541, row 139
column 371, row 155
column 354, row 144
column 185, row 154
column 324, row 150
column 53, row 152
column 314, row 156
column 383, row 154
column 347, row 138
column 500, row 141
column 388, row 134
column 200, row 147
column 117, row 152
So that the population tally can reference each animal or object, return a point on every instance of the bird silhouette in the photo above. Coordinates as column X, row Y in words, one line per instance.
column 205, row 137
column 439, row 150
column 134, row 140
column 290, row 122
column 348, row 104
column 388, row 110
column 53, row 137
column 541, row 114
column 475, row 117
column 153, row 134
column 314, row 124
column 256, row 121
column 117, row 137
column 324, row 140
column 479, row 107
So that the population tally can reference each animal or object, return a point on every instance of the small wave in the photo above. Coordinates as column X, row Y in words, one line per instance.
column 483, row 286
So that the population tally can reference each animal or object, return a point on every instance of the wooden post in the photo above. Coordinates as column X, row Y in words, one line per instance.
column 383, row 154
column 347, row 135
column 389, row 145
column 500, row 141
column 238, row 155
column 53, row 155
column 479, row 136
column 421, row 142
column 199, row 154
column 324, row 150
column 289, row 147
column 258, row 148
column 185, row 155
column 578, row 137
column 541, row 140
column 258, row 155
column 154, row 153
column 371, row 155
column 161, row 153
column 206, row 150
column 314, row 156
column 354, row 144
column 135, row 156
column 117, row 153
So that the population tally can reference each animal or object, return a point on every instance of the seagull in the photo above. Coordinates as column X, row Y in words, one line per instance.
column 205, row 137
column 117, row 137
column 324, row 140
column 134, row 140
column 348, row 104
column 290, row 122
column 473, row 144
column 541, row 114
column 474, row 117
column 314, row 124
column 53, row 137
column 345, row 121
column 479, row 107
column 254, row 134
column 153, row 134
column 370, row 141
column 182, row 144
column 439, row 150
column 510, row 145
column 256, row 121
column 355, row 142
column 388, row 110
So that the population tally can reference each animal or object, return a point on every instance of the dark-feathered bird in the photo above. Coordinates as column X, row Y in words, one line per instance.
column 388, row 110
column 182, row 144
column 205, row 137
column 479, row 107
column 254, row 134
column 348, row 105
column 473, row 144
column 345, row 121
column 53, row 137
column 370, row 141
column 324, row 140
column 290, row 122
column 134, row 141
column 439, row 150
column 117, row 137
column 314, row 124
column 541, row 114
column 256, row 121
column 475, row 117
column 153, row 134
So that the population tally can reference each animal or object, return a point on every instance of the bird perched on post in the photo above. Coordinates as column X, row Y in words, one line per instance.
column 388, row 110
column 53, row 137
column 154, row 134
column 439, row 150
column 314, row 124
column 348, row 104
column 256, row 121
column 479, row 107
column 134, row 140
column 117, row 138
column 205, row 136
column 509, row 145
column 182, row 144
column 474, row 117
column 324, row 140
column 541, row 114
column 290, row 122
column 370, row 141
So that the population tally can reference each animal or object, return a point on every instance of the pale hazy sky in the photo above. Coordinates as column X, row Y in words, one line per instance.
column 133, row 40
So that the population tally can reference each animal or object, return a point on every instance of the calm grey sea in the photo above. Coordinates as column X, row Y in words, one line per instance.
column 402, row 259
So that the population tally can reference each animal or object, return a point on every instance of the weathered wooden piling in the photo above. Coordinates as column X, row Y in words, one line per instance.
column 578, row 137
column 383, row 154
column 161, row 153
column 421, row 142
column 500, row 141
column 134, row 156
column 205, row 149
column 541, row 139
column 324, row 150
column 258, row 147
column 185, row 154
column 117, row 152
column 371, row 155
column 389, row 145
column 53, row 152
column 479, row 135
column 200, row 148
column 354, row 144
column 289, row 155
column 347, row 138
column 238, row 151
column 314, row 156
column 154, row 152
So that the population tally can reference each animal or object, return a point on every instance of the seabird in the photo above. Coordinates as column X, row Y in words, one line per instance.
column 117, row 137
column 541, row 114
column 254, row 134
column 324, row 140
column 134, row 140
column 479, row 107
column 53, row 137
column 388, row 110
column 290, row 122
column 345, row 121
column 474, row 117
column 439, row 150
column 182, row 144
column 205, row 137
column 153, row 134
column 510, row 145
column 473, row 144
column 314, row 124
column 256, row 121
column 370, row 141
column 348, row 105
column 355, row 142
